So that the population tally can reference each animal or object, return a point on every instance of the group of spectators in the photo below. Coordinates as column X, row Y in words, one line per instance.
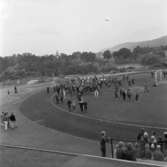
column 8, row 120
column 15, row 90
column 165, row 74
column 151, row 146
column 73, row 90
column 59, row 93
column 124, row 90
column 127, row 95
column 147, row 146
column 64, row 93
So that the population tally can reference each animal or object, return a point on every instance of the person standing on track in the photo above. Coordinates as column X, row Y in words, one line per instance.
column 85, row 105
column 137, row 96
column 69, row 104
column 5, row 119
column 96, row 92
column 15, row 90
column 48, row 90
column 129, row 95
column 124, row 94
column 81, row 104
column 73, row 105
column 103, row 144
column 12, row 119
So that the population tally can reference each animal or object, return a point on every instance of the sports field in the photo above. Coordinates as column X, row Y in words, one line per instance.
column 121, row 120
column 149, row 110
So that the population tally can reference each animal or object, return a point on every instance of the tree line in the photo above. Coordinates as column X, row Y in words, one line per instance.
column 137, row 55
column 28, row 64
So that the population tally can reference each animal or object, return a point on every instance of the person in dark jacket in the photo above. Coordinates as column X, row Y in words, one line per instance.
column 85, row 105
column 137, row 96
column 69, row 104
column 12, row 120
column 81, row 105
column 15, row 90
column 103, row 144
column 48, row 90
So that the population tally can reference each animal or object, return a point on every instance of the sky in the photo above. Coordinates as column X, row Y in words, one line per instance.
column 47, row 26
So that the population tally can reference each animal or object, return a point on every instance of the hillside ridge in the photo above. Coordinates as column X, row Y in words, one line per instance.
column 161, row 41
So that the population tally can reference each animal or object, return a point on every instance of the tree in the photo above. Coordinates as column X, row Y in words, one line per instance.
column 107, row 54
column 88, row 56
column 151, row 59
column 76, row 55
column 123, row 55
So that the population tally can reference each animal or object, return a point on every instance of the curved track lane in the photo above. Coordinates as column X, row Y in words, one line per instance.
column 39, row 108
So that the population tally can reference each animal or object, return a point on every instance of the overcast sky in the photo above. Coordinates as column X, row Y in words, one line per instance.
column 45, row 26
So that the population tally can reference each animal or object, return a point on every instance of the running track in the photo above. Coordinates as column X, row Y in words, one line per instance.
column 40, row 107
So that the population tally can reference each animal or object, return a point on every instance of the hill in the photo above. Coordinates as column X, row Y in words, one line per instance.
column 162, row 41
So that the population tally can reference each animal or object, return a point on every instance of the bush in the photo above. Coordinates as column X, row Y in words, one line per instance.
column 151, row 59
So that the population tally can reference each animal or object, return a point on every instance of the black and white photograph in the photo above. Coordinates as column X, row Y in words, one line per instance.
column 83, row 83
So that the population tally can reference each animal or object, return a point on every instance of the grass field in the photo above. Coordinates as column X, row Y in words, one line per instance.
column 150, row 110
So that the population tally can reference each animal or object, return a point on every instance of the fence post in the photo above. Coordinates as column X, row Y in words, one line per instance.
column 112, row 148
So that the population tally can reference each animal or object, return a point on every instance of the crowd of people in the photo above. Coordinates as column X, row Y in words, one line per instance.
column 124, row 92
column 147, row 146
column 74, row 90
